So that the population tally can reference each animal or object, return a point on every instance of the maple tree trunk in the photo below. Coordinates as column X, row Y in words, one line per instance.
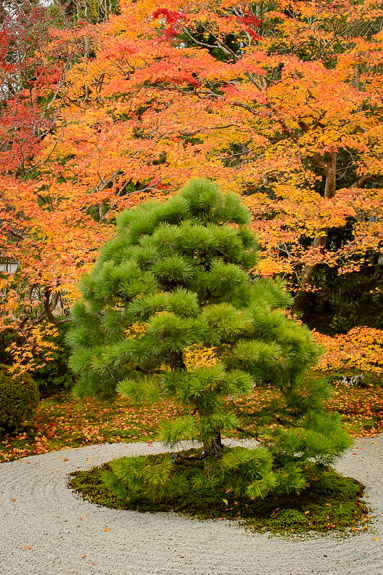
column 300, row 302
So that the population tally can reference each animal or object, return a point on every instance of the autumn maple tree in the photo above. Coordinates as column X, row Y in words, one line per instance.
column 175, row 276
column 35, row 56
column 278, row 101
column 268, row 102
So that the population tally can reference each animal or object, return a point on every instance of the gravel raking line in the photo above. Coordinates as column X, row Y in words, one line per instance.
column 45, row 529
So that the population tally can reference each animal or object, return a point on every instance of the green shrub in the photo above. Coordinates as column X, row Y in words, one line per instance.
column 19, row 396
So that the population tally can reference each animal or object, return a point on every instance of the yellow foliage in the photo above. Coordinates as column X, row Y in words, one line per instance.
column 359, row 350
column 135, row 331
column 200, row 355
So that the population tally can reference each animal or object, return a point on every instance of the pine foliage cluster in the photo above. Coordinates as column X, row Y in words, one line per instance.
column 177, row 275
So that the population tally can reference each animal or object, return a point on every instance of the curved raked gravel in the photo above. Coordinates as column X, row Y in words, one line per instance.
column 45, row 529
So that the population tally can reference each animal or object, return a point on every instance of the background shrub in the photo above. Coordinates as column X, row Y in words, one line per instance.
column 19, row 397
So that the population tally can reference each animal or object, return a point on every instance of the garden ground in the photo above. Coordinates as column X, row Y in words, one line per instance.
column 61, row 421
column 45, row 528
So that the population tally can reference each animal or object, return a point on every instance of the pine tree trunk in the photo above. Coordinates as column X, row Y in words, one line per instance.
column 214, row 448
column 176, row 360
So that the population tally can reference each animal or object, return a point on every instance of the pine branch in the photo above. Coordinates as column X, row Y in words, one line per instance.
column 177, row 457
column 250, row 434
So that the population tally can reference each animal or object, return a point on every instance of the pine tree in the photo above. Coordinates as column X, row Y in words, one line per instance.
column 176, row 278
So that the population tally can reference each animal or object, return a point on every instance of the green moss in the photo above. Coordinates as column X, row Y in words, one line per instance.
column 329, row 503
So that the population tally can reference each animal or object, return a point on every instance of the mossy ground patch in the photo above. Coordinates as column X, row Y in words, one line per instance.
column 331, row 503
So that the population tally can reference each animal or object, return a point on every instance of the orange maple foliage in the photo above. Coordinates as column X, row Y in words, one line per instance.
column 34, row 62
column 280, row 101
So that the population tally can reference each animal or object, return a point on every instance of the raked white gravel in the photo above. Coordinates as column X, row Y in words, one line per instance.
column 45, row 529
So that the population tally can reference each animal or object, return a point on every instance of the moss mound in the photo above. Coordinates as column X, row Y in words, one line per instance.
column 329, row 503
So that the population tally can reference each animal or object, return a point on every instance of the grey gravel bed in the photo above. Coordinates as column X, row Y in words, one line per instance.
column 45, row 529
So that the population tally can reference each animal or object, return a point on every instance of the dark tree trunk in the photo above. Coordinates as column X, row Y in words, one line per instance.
column 176, row 360
column 300, row 302
column 214, row 448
